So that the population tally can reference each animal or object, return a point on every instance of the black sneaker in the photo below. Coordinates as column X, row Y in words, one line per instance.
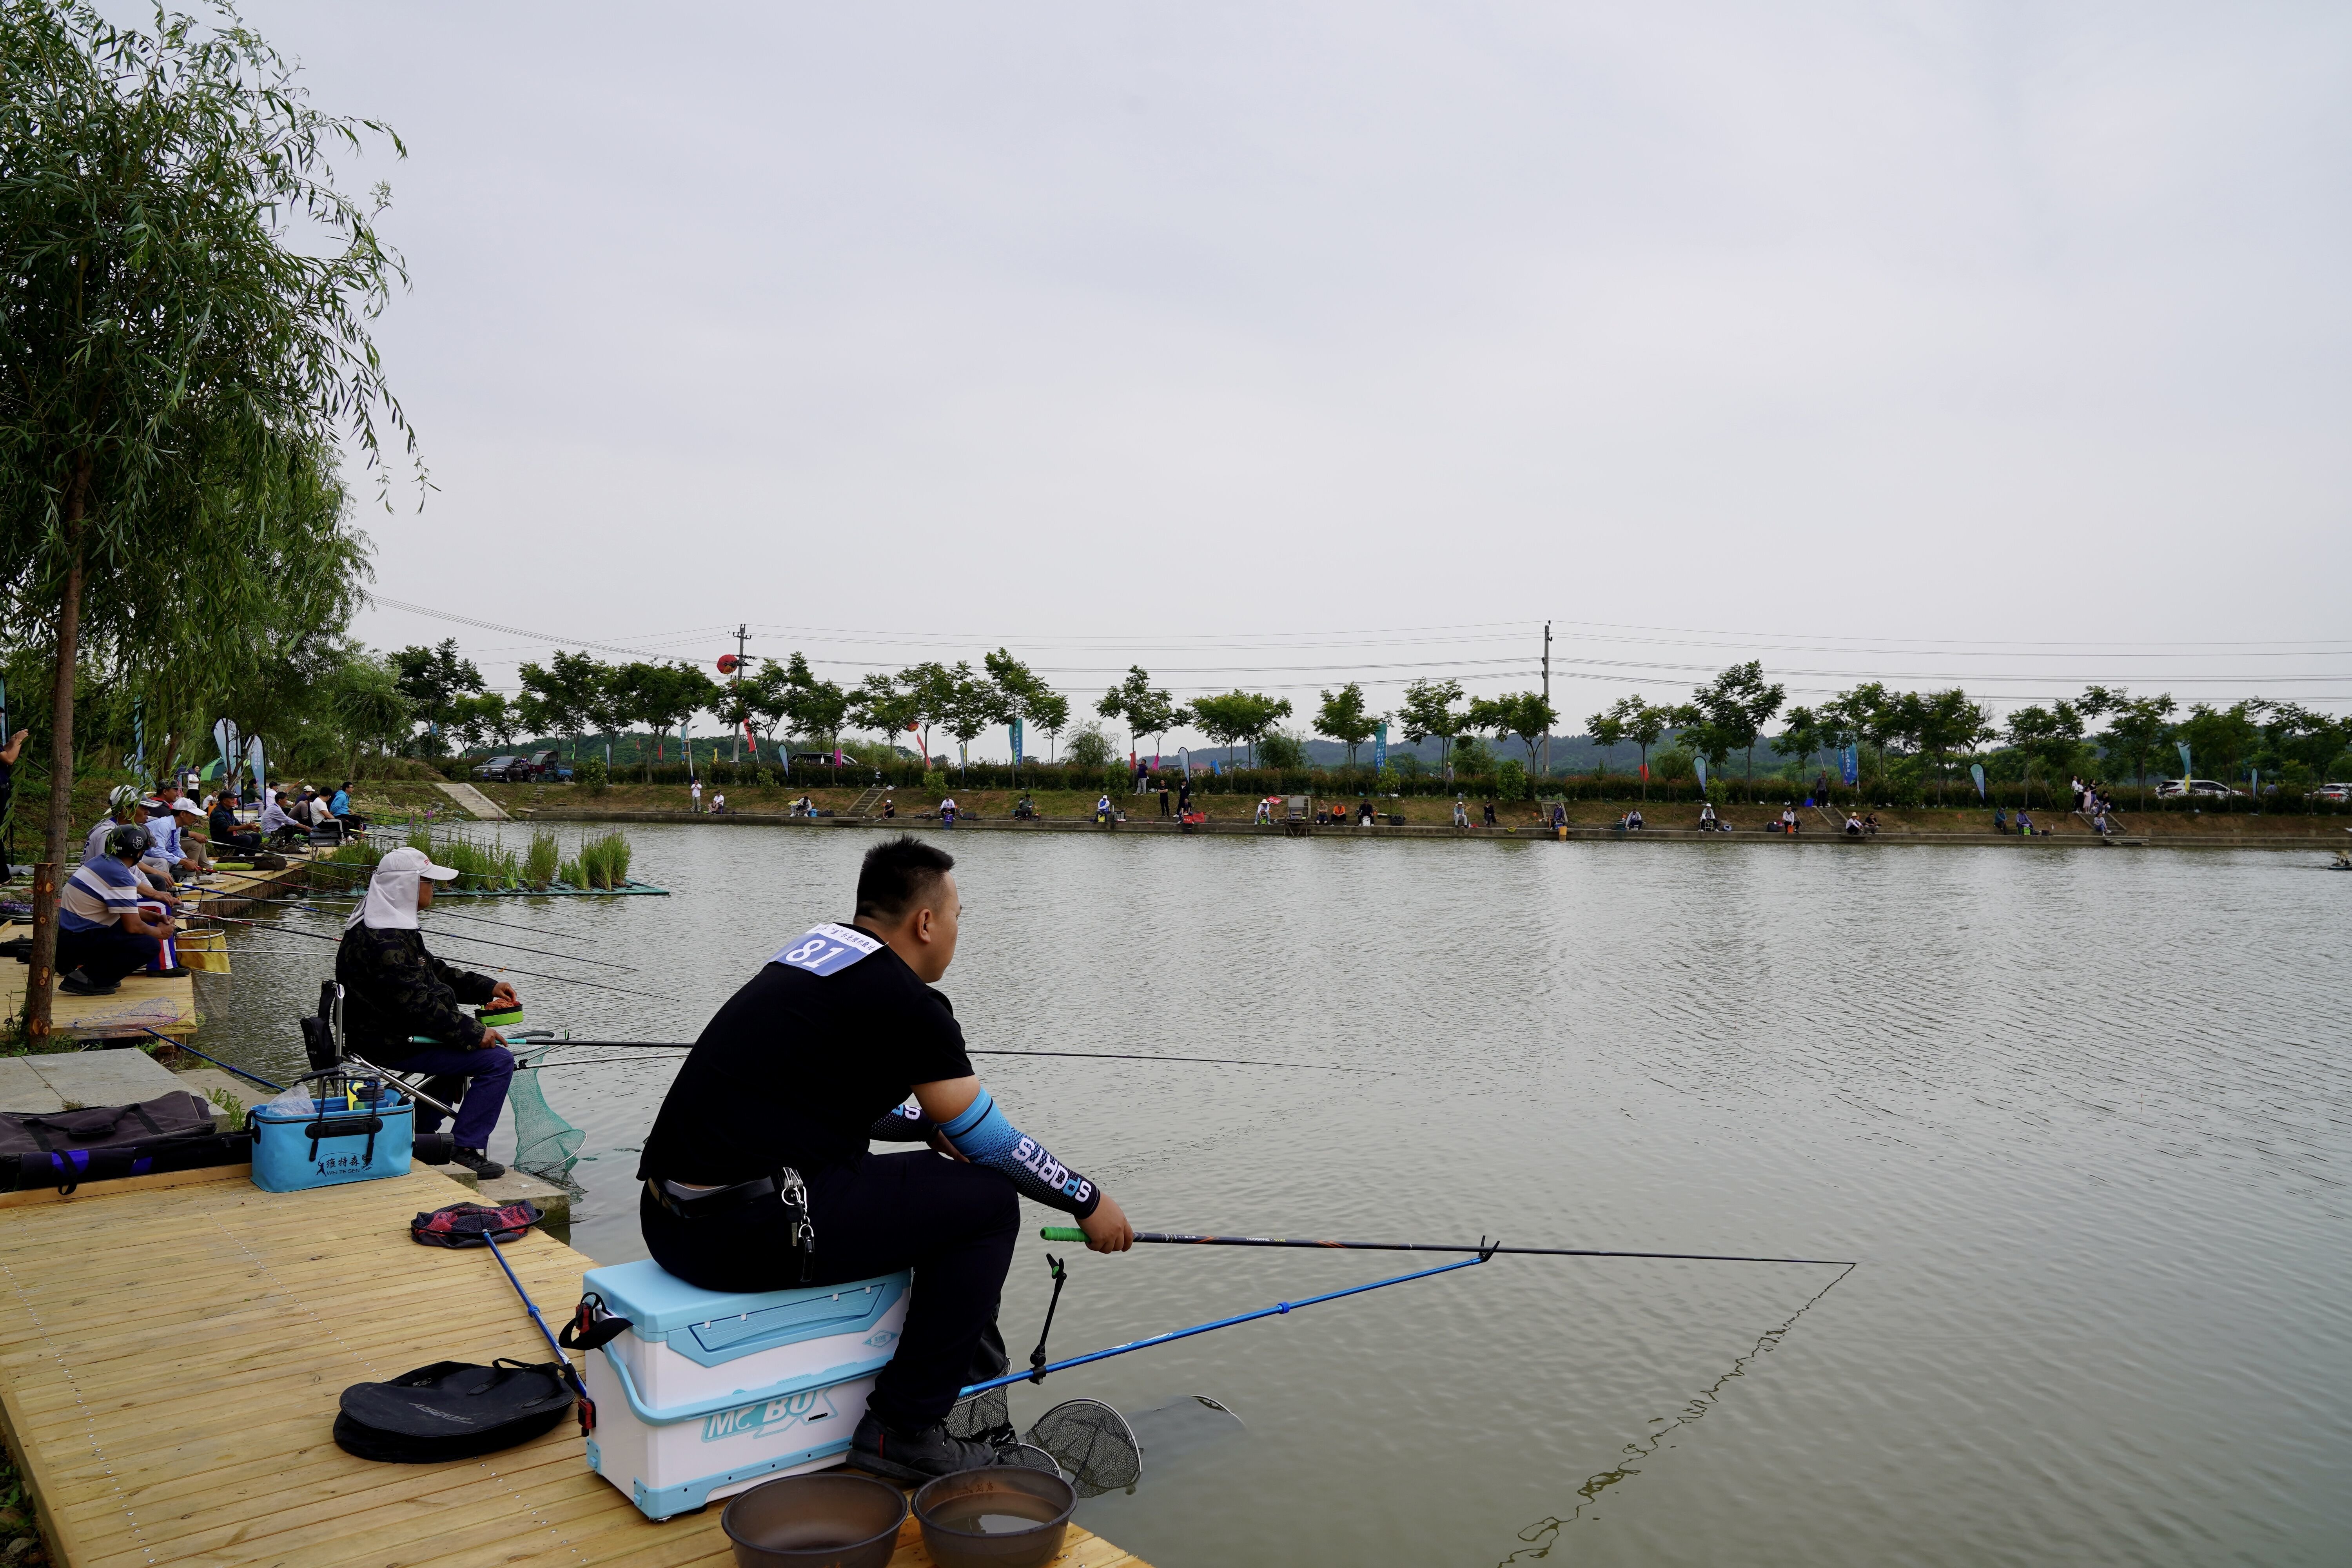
column 478, row 1162
column 918, row 1456
column 174, row 973
column 80, row 985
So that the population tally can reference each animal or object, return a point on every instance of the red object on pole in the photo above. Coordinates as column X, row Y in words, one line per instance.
column 728, row 664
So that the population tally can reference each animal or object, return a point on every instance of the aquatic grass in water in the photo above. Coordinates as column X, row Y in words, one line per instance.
column 478, row 864
column 542, row 861
column 603, row 861
column 357, row 852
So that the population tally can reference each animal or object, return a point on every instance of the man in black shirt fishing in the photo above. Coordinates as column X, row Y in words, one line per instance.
column 757, row 1173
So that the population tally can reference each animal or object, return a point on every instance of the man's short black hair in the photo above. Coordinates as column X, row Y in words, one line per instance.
column 899, row 873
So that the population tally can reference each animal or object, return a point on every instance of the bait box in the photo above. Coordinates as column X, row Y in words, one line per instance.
column 362, row 1144
column 710, row 1392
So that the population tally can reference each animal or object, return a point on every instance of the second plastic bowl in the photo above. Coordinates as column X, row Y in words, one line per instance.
column 1000, row 1517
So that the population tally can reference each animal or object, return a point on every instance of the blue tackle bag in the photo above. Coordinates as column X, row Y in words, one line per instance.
column 349, row 1130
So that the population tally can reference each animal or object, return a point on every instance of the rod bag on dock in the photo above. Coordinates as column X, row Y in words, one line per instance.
column 67, row 1169
column 178, row 1114
column 450, row 1410
column 66, row 1147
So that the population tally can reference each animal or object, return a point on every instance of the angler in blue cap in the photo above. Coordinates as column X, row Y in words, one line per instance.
column 757, row 1172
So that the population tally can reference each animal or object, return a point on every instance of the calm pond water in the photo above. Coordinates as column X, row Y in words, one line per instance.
column 2085, row 1116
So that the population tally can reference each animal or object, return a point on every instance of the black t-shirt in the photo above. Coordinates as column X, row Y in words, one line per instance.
column 796, row 1067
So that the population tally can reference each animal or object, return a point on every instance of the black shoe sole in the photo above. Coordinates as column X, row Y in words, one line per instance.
column 879, row 1465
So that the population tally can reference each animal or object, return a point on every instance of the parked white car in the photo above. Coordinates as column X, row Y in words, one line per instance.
column 2173, row 789
column 2334, row 794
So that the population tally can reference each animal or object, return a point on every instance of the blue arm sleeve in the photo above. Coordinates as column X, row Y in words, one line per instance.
column 984, row 1136
column 902, row 1124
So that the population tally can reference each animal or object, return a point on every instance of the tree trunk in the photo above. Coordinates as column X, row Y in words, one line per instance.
column 39, row 981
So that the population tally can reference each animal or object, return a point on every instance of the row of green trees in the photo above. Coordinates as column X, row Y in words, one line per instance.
column 2105, row 731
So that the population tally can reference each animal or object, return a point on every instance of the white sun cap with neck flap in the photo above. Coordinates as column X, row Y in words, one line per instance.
column 391, row 903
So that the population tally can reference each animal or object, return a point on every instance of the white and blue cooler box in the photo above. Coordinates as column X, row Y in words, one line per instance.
column 709, row 1393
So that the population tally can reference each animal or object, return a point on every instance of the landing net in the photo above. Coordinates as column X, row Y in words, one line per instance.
column 1088, row 1442
column 1093, row 1444
column 545, row 1144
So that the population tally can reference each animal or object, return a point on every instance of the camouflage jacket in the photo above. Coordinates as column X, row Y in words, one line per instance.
column 394, row 989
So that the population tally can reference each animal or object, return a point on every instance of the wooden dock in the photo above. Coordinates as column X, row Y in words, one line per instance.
column 147, row 1002
column 171, row 1349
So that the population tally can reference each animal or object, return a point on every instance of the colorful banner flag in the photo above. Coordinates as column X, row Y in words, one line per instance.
column 1976, row 771
column 1016, row 742
column 2185, row 769
column 1381, row 748
column 1700, row 763
column 1850, row 766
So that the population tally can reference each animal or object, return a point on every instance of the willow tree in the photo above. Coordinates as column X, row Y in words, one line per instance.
column 184, row 332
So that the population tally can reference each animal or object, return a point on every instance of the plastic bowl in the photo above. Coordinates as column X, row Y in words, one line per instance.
column 829, row 1521
column 1033, row 1505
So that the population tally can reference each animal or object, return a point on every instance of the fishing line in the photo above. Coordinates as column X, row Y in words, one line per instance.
column 1541, row 1536
column 502, row 969
column 459, row 936
column 1071, row 1233
column 438, row 914
column 974, row 1051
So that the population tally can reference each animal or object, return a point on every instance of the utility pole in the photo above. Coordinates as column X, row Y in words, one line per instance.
column 1546, row 674
column 735, row 681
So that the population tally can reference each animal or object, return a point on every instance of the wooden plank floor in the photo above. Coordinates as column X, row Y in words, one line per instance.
column 145, row 1001
column 171, row 1349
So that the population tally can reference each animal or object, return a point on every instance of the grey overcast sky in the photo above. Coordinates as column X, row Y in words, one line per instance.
column 2003, row 344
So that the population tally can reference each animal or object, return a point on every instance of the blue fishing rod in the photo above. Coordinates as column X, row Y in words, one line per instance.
column 584, row 1408
column 1280, row 1309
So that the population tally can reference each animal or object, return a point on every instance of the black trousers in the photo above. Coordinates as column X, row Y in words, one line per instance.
column 106, row 954
column 952, row 1224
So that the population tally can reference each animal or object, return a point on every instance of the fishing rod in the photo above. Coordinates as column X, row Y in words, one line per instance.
column 1278, row 1309
column 438, row 914
column 502, row 969
column 414, row 1092
column 586, row 1410
column 1071, row 1233
column 975, row 1052
column 232, row 1067
column 459, row 936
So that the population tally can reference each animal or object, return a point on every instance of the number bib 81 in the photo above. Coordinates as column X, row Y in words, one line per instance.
column 827, row 950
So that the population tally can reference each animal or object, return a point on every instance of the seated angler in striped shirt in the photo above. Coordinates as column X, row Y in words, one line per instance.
column 102, row 933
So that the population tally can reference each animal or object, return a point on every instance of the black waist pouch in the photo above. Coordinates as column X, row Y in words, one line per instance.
column 450, row 1410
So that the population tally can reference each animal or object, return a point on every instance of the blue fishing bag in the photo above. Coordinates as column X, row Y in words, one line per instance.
column 355, row 1131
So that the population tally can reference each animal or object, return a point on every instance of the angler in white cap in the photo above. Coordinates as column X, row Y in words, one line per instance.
column 402, row 1005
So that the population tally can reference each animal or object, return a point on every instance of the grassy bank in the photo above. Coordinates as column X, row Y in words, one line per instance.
column 573, row 801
